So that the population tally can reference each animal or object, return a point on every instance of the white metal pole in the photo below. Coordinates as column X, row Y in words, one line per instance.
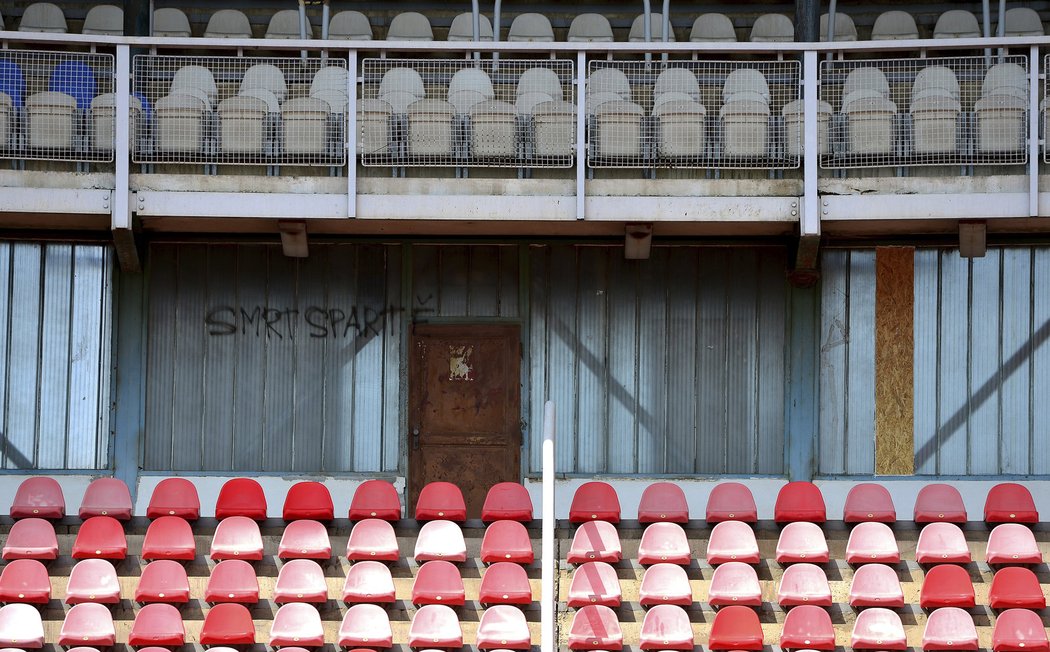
column 121, row 186
column 548, row 573
column 810, row 224
column 351, row 134
column 1033, row 131
column 581, row 134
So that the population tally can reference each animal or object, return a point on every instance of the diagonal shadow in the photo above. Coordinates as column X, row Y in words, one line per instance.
column 14, row 455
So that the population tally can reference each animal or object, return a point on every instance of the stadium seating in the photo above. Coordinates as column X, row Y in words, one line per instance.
column 157, row 624
column 1022, row 21
column 656, row 26
column 106, row 497
column 232, row 580
column 507, row 501
column 736, row 628
column 410, row 26
column 88, row 623
column 735, row 583
column 595, row 501
column 807, row 627
column 163, row 580
column 868, row 501
column 462, row 28
column 949, row 628
column 731, row 501
column 228, row 624
column 712, row 28
column 802, row 541
column 1019, row 630
column 530, row 27
column 174, row 497
column 368, row 581
column 732, row 541
column 350, row 25
column 21, row 626
column 894, row 25
column 845, row 29
column 304, row 539
column 228, row 23
column 590, row 28
column 505, row 583
column 25, row 580
column 796, row 501
column 878, row 628
column 31, row 538
column 297, row 623
column 957, row 23
column 169, row 537
column 300, row 580
column 665, row 584
column 1016, row 587
column 365, row 625
column 506, row 541
column 107, row 20
column 503, row 627
column 663, row 501
column 372, row 539
column 946, row 585
column 803, row 584
column 942, row 543
column 438, row 582
column 435, row 626
column 595, row 541
column 939, row 503
column 376, row 498
column 1000, row 110
column 1012, row 543
column 237, row 537
column 935, row 110
column 101, row 537
column 43, row 17
column 241, row 497
column 284, row 24
column 594, row 582
column 441, row 501
column 171, row 22
column 872, row 543
column 440, row 540
column 869, row 113
column 1009, row 502
column 666, row 627
column 594, row 627
column 93, row 580
column 38, row 497
column 664, row 542
column 876, row 585
column 307, row 500
column 772, row 28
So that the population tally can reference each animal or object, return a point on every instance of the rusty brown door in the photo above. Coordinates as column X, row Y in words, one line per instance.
column 464, row 421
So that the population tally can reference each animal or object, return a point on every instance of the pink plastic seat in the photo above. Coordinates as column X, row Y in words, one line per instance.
column 1012, row 543
column 594, row 627
column 876, row 585
column 438, row 582
column 735, row 582
column 804, row 584
column 25, row 580
column 365, row 625
column 93, row 580
column 163, row 580
column 942, row 543
column 949, row 628
column 1016, row 587
column 39, row 497
column 1009, row 502
column 308, row 500
column 666, row 627
column 878, row 629
column 594, row 501
column 867, row 502
column 241, row 497
column 799, row 501
column 305, row 539
column 300, row 580
column 664, row 542
column 802, row 541
column 732, row 541
column 731, row 501
column 665, row 584
column 228, row 624
column 503, row 627
column 237, row 537
column 663, row 501
column 375, row 499
column 440, row 540
column 372, row 539
column 807, row 627
column 174, row 497
column 368, row 581
column 736, row 628
column 158, row 624
column 232, row 580
column 872, row 543
column 21, row 626
column 507, row 501
column 169, row 537
column 594, row 583
column 505, row 583
column 435, row 626
column 595, row 541
column 88, row 623
column 297, row 623
column 946, row 585
column 939, row 503
column 441, row 500
column 506, row 540
column 100, row 537
column 31, row 538
column 106, row 497
column 1019, row 630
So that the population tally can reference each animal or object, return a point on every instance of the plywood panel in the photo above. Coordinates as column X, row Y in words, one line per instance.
column 894, row 354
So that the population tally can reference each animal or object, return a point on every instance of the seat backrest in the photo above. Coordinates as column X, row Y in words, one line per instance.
column 435, row 625
column 268, row 77
column 868, row 502
column 25, row 580
column 732, row 541
column 503, row 625
column 163, row 580
column 299, row 575
column 444, row 500
column 228, row 23
column 735, row 582
column 666, row 626
column 174, row 497
column 76, row 79
column 241, row 497
column 808, row 626
column 872, row 542
column 305, row 539
column 772, row 28
column 806, row 580
column 462, row 28
column 228, row 624
column 594, row 583
column 749, row 83
column 535, row 80
column 957, row 23
column 1019, row 629
column 949, row 628
column 373, row 539
column 157, row 624
column 171, row 21
column 43, row 17
column 665, row 583
column 1016, row 586
column 467, row 79
column 736, row 627
column 665, row 501
column 731, row 501
column 13, row 84
column 21, row 625
column 656, row 26
column 590, row 28
column 438, row 582
column 712, row 27
column 875, row 579
column 104, row 19
column 845, row 29
column 1006, row 79
column 894, row 25
column 232, row 580
column 365, row 624
column 595, row 541
column 285, row 25
column 1022, row 21
column 802, row 541
column 866, row 79
column 511, row 500
column 530, row 27
column 664, row 542
column 329, row 79
column 946, row 585
column 88, row 623
column 1009, row 502
column 505, row 583
column 100, row 536
column 1012, row 543
column 410, row 26
column 31, row 538
column 395, row 80
column 506, row 540
column 878, row 628
column 935, row 80
column 608, row 80
column 237, row 536
column 440, row 539
column 307, row 500
column 297, row 623
column 368, row 581
column 195, row 78
column 595, row 501
column 938, row 501
column 350, row 25
column 676, row 80
column 39, row 497
column 595, row 626
column 942, row 543
column 106, row 497
column 169, row 537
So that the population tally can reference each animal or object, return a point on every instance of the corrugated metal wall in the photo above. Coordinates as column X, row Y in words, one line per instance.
column 465, row 281
column 259, row 362
column 669, row 365
column 55, row 300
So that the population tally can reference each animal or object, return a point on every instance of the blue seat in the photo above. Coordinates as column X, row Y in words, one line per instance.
column 76, row 79
column 12, row 82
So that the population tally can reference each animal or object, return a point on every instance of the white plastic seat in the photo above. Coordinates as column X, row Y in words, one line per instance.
column 228, row 23
column 464, row 101
column 285, row 25
column 170, row 21
column 554, row 129
column 957, row 23
column 350, row 25
column 1022, row 21
column 1001, row 109
column 494, row 129
column 845, row 29
column 619, row 129
column 6, row 120
column 410, row 26
column 608, row 80
column 712, row 28
column 471, row 79
column 540, row 80
column 894, row 25
column 462, row 28
column 935, row 110
column 793, row 117
column 43, row 17
column 745, row 114
column 329, row 78
column 405, row 80
column 304, row 121
column 196, row 78
column 105, row 20
column 590, row 28
column 267, row 77
column 103, row 120
column 241, row 121
column 656, row 25
column 531, row 27
column 680, row 125
column 51, row 120
column 870, row 118
column 772, row 28
column 679, row 80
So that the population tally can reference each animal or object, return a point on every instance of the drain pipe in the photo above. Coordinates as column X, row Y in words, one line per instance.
column 326, row 11
column 548, row 571
column 495, row 32
column 647, row 27
column 302, row 26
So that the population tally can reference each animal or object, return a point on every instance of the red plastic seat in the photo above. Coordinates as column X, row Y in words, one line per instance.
column 505, row 583
column 308, row 500
column 237, row 537
column 169, row 537
column 802, row 541
column 100, row 537
column 594, row 501
column 939, row 503
column 368, row 581
column 942, row 543
column 31, row 538
column 21, row 626
column 158, row 624
column 441, row 500
column 375, row 499
column 25, row 580
column 594, row 583
column 228, row 624
column 506, row 540
column 163, row 580
column 93, row 580
column 297, row 623
column 372, row 539
column 736, row 628
column 241, row 497
column 438, row 582
column 731, row 501
column 666, row 627
column 867, row 502
column 174, row 497
column 665, row 584
column 88, row 623
column 878, row 629
column 872, row 543
column 365, row 625
column 300, row 580
column 440, row 540
column 1016, row 587
column 106, row 497
column 305, row 539
column 595, row 541
column 663, row 501
column 507, row 501
column 595, row 627
column 1012, row 543
column 732, row 541
column 807, row 627
column 949, row 628
column 39, row 497
column 1009, row 502
column 232, row 580
column 503, row 627
column 664, row 542
column 435, row 626
column 876, row 585
column 803, row 584
column 732, row 583
column 946, row 585
column 1019, row 630
column 799, row 501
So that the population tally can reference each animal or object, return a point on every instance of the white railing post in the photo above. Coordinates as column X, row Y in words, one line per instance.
column 581, row 134
column 810, row 224
column 122, row 136
column 548, row 572
column 1033, row 131
column 351, row 134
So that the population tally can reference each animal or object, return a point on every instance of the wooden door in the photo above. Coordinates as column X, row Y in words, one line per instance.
column 464, row 421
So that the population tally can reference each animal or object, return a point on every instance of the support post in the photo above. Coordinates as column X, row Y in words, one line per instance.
column 1033, row 131
column 548, row 574
column 807, row 21
column 129, row 405
column 351, row 134
column 802, row 404
column 581, row 134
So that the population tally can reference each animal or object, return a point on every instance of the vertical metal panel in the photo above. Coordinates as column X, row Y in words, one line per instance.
column 834, row 343
column 483, row 280
column 250, row 353
column 189, row 389
column 927, row 343
column 55, row 326
column 368, row 363
column 562, row 351
column 309, row 403
column 680, row 425
column 221, row 384
column 652, row 364
column 90, row 339
column 591, row 334
column 712, row 356
column 624, row 410
column 392, row 427
column 954, row 354
column 509, row 279
column 337, row 374
column 466, row 281
column 23, row 357
column 6, row 259
column 539, row 299
column 454, row 274
column 1014, row 424
column 860, row 435
column 160, row 386
column 772, row 364
column 740, row 378
column 985, row 356
column 1039, row 420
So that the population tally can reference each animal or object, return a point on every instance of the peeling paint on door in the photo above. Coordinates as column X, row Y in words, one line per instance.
column 459, row 366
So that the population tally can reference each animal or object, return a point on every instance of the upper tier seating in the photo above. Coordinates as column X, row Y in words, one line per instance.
column 157, row 624
column 949, row 628
column 878, row 628
column 736, row 628
column 39, row 497
column 462, row 28
column 171, row 22
column 942, row 543
column 297, row 623
column 1012, row 543
column 530, row 27
column 376, row 498
column 1016, row 587
column 284, row 24
column 804, row 584
column 1022, row 21
column 300, row 580
column 232, row 580
column 365, row 625
column 712, row 28
column 1009, row 502
column 440, row 540
column 595, row 501
column 868, row 501
column 307, row 500
column 368, row 581
column 1019, row 630
column 163, row 580
column 666, row 627
column 939, row 502
column 594, row 627
column 305, row 539
column 772, row 28
column 350, row 25
column 796, row 501
column 731, row 501
column 106, row 20
column 506, row 541
column 31, row 538
column 807, row 627
column 894, row 25
column 441, row 500
column 438, row 582
column 946, row 585
column 93, row 580
column 21, row 626
column 435, row 626
column 590, row 28
column 935, row 110
column 732, row 541
column 101, row 537
column 174, row 497
column 869, row 112
column 169, row 537
column 845, row 29
column 594, row 582
column 735, row 583
column 503, row 627
column 43, row 17
column 25, row 580
column 237, row 537
column 802, row 541
column 410, row 26
column 872, row 543
column 505, row 583
column 663, row 501
column 957, row 23
column 508, row 500
column 876, row 585
column 228, row 624
column 240, row 496
column 372, row 539
column 1001, row 109
column 665, row 584
column 664, row 542
column 656, row 26
column 88, row 624
column 595, row 541
column 228, row 23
